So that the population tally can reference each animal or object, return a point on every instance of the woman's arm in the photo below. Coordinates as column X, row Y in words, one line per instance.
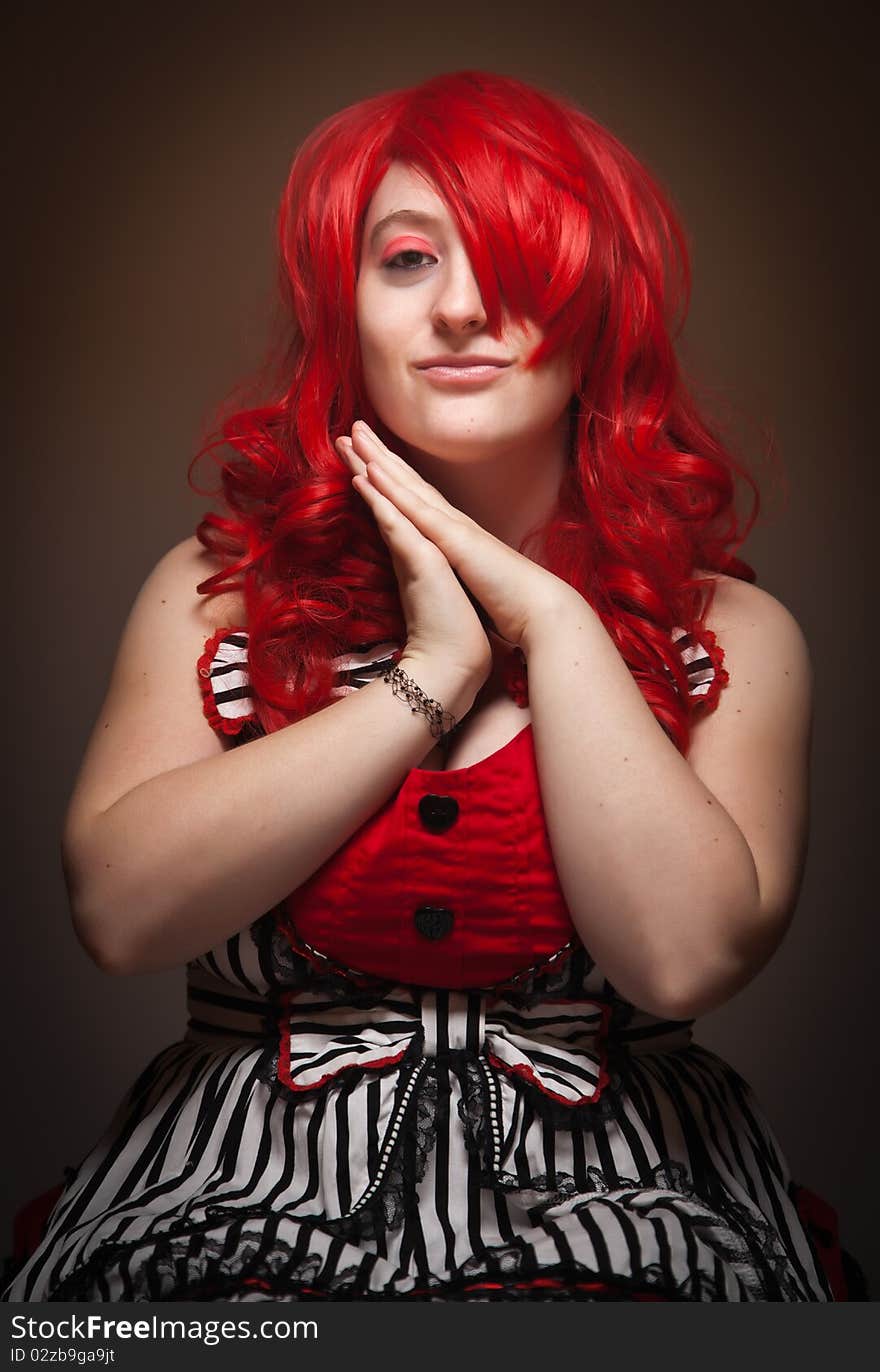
column 681, row 875
column 173, row 842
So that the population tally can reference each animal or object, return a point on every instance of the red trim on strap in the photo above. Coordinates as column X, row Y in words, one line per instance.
column 209, row 700
column 707, row 702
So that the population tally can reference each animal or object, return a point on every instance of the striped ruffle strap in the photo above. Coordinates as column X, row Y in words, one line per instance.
column 227, row 699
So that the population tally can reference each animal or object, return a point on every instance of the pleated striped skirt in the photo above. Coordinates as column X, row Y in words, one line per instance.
column 308, row 1139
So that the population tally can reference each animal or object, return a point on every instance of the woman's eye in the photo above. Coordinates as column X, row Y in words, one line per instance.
column 393, row 265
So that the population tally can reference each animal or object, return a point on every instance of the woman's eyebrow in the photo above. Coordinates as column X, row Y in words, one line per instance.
column 418, row 217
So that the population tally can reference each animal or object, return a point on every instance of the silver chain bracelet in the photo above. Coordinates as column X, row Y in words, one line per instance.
column 441, row 721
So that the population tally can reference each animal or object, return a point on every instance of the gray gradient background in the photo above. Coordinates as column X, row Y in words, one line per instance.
column 148, row 154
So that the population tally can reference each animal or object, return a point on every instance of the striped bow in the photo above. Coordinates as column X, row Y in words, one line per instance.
column 375, row 1057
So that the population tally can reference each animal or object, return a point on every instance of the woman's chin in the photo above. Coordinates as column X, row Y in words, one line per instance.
column 460, row 443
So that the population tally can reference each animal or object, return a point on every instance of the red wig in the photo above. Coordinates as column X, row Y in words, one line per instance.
column 563, row 226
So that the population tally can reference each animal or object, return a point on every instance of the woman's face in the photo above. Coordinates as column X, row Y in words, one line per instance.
column 417, row 299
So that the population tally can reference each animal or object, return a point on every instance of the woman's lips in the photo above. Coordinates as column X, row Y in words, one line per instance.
column 462, row 376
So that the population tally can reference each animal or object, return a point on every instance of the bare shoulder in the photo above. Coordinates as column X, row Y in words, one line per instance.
column 182, row 569
column 756, row 630
column 767, row 703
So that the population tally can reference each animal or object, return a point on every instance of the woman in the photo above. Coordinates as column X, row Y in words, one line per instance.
column 492, row 845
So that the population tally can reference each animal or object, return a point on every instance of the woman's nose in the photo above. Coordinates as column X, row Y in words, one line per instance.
column 458, row 303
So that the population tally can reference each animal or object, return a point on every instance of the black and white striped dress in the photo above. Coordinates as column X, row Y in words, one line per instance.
column 312, row 1136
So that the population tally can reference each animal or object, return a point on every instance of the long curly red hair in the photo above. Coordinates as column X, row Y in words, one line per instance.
column 563, row 226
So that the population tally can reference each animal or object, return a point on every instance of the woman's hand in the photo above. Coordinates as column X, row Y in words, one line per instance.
column 440, row 619
column 512, row 590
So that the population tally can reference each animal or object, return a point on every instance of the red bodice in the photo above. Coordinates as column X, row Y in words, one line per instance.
column 452, row 882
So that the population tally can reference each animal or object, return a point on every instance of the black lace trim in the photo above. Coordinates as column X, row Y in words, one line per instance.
column 564, row 978
column 172, row 1273
column 388, row 1208
column 560, row 1283
column 255, row 1271
column 754, row 1234
column 564, row 975
column 286, row 970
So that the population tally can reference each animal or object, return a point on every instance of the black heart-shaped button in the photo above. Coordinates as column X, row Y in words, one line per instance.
column 433, row 921
column 438, row 813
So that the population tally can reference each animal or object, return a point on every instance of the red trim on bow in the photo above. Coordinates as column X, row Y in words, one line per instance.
column 529, row 1074
column 284, row 1068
